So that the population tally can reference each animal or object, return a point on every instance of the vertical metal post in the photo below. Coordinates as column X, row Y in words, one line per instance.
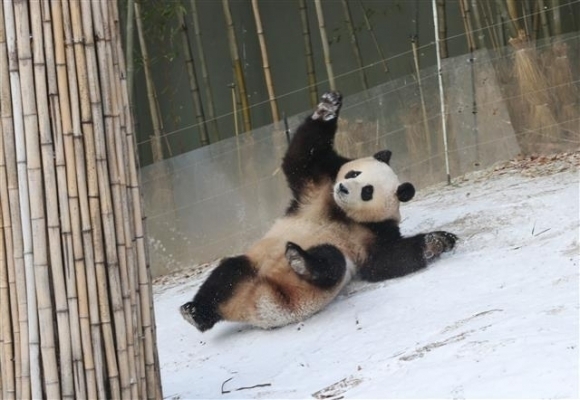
column 441, row 93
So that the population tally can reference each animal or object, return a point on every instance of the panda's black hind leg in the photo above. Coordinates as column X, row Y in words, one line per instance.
column 323, row 266
column 203, row 311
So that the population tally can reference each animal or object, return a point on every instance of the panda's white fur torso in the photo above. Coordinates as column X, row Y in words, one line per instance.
column 278, row 295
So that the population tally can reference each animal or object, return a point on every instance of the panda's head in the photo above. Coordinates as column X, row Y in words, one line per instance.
column 368, row 190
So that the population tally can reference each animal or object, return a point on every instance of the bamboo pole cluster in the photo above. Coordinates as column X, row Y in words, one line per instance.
column 76, row 307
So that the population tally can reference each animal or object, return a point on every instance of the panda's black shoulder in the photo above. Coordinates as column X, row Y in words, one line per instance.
column 387, row 230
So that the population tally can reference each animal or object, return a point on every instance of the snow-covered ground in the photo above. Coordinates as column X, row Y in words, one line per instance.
column 496, row 318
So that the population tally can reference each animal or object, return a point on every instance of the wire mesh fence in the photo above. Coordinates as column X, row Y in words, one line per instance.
column 521, row 99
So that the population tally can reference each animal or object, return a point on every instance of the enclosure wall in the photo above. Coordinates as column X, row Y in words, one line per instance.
column 215, row 201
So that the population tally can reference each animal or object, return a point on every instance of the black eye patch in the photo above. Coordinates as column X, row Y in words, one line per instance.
column 351, row 174
column 367, row 193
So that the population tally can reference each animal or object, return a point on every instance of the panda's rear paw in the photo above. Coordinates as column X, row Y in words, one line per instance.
column 296, row 259
column 327, row 109
column 438, row 242
column 199, row 320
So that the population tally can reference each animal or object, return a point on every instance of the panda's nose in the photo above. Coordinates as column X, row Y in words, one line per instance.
column 342, row 188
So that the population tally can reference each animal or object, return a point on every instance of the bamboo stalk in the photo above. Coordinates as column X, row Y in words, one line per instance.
column 504, row 16
column 53, row 221
column 92, row 121
column 145, row 315
column 41, row 142
column 126, row 125
column 11, row 361
column 544, row 19
column 422, row 97
column 354, row 44
column 156, row 148
column 325, row 45
column 556, row 17
column 129, row 47
column 374, row 37
column 442, row 18
column 116, row 150
column 7, row 381
column 193, row 85
column 70, row 196
column 20, row 215
column 237, row 66
column 466, row 16
column 480, row 43
column 67, row 190
column 308, row 54
column 204, row 74
column 107, row 176
column 77, row 194
column 265, row 62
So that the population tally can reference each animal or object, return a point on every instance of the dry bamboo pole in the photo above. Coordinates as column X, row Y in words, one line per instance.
column 7, row 378
column 237, row 66
column 466, row 16
column 544, row 19
column 66, row 190
column 204, row 74
column 117, row 175
column 265, row 62
column 53, row 382
column 20, row 215
column 92, row 120
column 126, row 129
column 146, row 309
column 193, row 85
column 354, row 44
column 53, row 223
column 442, row 27
column 480, row 43
column 63, row 154
column 77, row 196
column 374, row 37
column 129, row 47
column 556, row 17
column 82, row 114
column 486, row 10
column 325, row 45
column 7, row 381
column 156, row 148
column 504, row 16
column 512, row 9
column 30, row 191
column 108, row 188
column 308, row 54
column 422, row 97
column 10, row 327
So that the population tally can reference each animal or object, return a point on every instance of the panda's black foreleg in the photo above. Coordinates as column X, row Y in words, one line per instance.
column 311, row 154
column 324, row 266
column 405, row 255
column 202, row 312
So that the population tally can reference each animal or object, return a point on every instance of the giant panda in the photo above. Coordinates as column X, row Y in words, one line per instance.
column 342, row 221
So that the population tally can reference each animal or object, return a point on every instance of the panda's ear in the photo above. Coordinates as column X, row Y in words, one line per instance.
column 384, row 156
column 405, row 192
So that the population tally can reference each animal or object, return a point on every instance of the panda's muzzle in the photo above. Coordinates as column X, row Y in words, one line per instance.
column 342, row 189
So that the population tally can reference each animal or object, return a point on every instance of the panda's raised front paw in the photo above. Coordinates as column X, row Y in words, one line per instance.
column 327, row 109
column 438, row 242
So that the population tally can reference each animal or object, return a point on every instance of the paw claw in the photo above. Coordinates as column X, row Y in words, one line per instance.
column 439, row 242
column 327, row 109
